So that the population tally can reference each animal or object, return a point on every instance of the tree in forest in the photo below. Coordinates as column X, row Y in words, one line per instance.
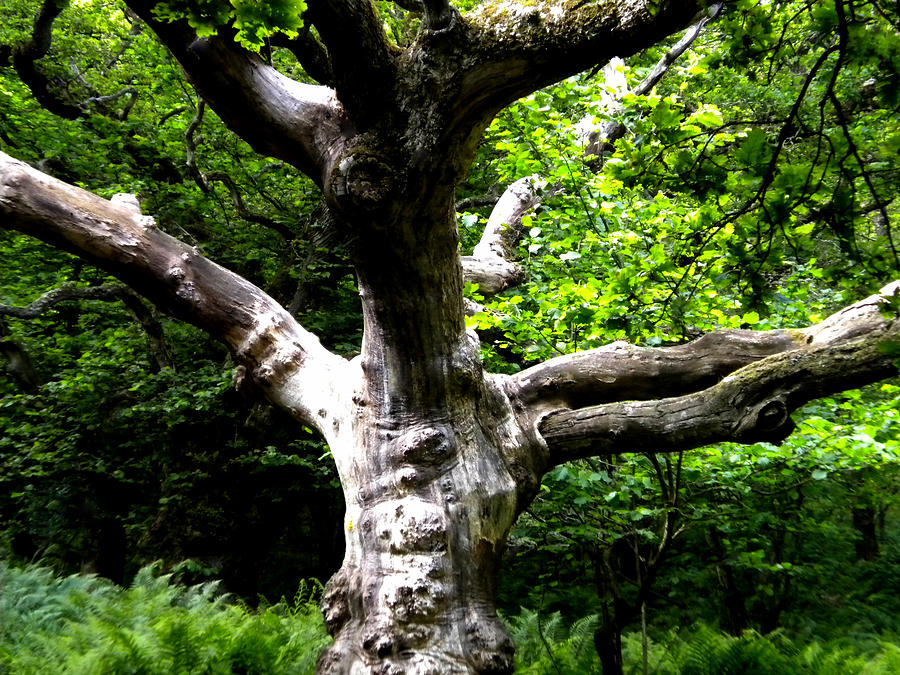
column 436, row 456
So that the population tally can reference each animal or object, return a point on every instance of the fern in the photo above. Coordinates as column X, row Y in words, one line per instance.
column 81, row 625
column 545, row 645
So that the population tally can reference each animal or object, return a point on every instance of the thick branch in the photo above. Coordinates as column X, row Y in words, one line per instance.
column 619, row 371
column 439, row 14
column 363, row 63
column 752, row 404
column 522, row 47
column 490, row 265
column 288, row 362
column 300, row 123
column 310, row 53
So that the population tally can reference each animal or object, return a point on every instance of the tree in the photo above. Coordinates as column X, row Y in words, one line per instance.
column 436, row 456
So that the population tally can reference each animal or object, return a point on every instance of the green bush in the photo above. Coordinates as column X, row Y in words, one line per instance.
column 82, row 624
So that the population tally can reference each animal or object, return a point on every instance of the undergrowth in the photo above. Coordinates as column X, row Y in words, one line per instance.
column 82, row 624
column 546, row 646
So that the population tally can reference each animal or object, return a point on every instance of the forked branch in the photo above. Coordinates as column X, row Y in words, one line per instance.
column 363, row 64
column 491, row 264
column 752, row 404
column 299, row 123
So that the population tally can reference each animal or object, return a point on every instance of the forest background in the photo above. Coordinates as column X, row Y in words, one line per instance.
column 755, row 185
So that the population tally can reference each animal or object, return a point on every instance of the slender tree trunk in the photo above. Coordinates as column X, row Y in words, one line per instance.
column 608, row 643
column 644, row 641
column 865, row 521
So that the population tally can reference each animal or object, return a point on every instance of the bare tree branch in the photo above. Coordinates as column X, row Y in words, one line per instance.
column 103, row 100
column 203, row 180
column 159, row 350
column 24, row 59
column 475, row 203
column 286, row 361
column 620, row 371
column 63, row 293
column 172, row 113
column 751, row 404
column 490, row 265
column 598, row 136
column 241, row 207
column 299, row 123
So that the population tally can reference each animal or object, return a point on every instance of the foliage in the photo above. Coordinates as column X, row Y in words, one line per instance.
column 253, row 22
column 546, row 644
column 703, row 215
column 114, row 461
column 82, row 624
column 548, row 647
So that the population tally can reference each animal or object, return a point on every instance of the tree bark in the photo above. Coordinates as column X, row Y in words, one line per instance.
column 491, row 264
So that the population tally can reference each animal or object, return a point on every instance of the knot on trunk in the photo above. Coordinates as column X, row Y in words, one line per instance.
column 362, row 181
column 411, row 525
column 769, row 422
column 429, row 446
column 335, row 603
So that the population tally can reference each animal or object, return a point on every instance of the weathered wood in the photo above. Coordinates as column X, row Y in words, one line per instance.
column 751, row 404
column 283, row 358
column 492, row 264
column 436, row 457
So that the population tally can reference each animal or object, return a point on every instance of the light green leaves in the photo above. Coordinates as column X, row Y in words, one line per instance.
column 253, row 20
